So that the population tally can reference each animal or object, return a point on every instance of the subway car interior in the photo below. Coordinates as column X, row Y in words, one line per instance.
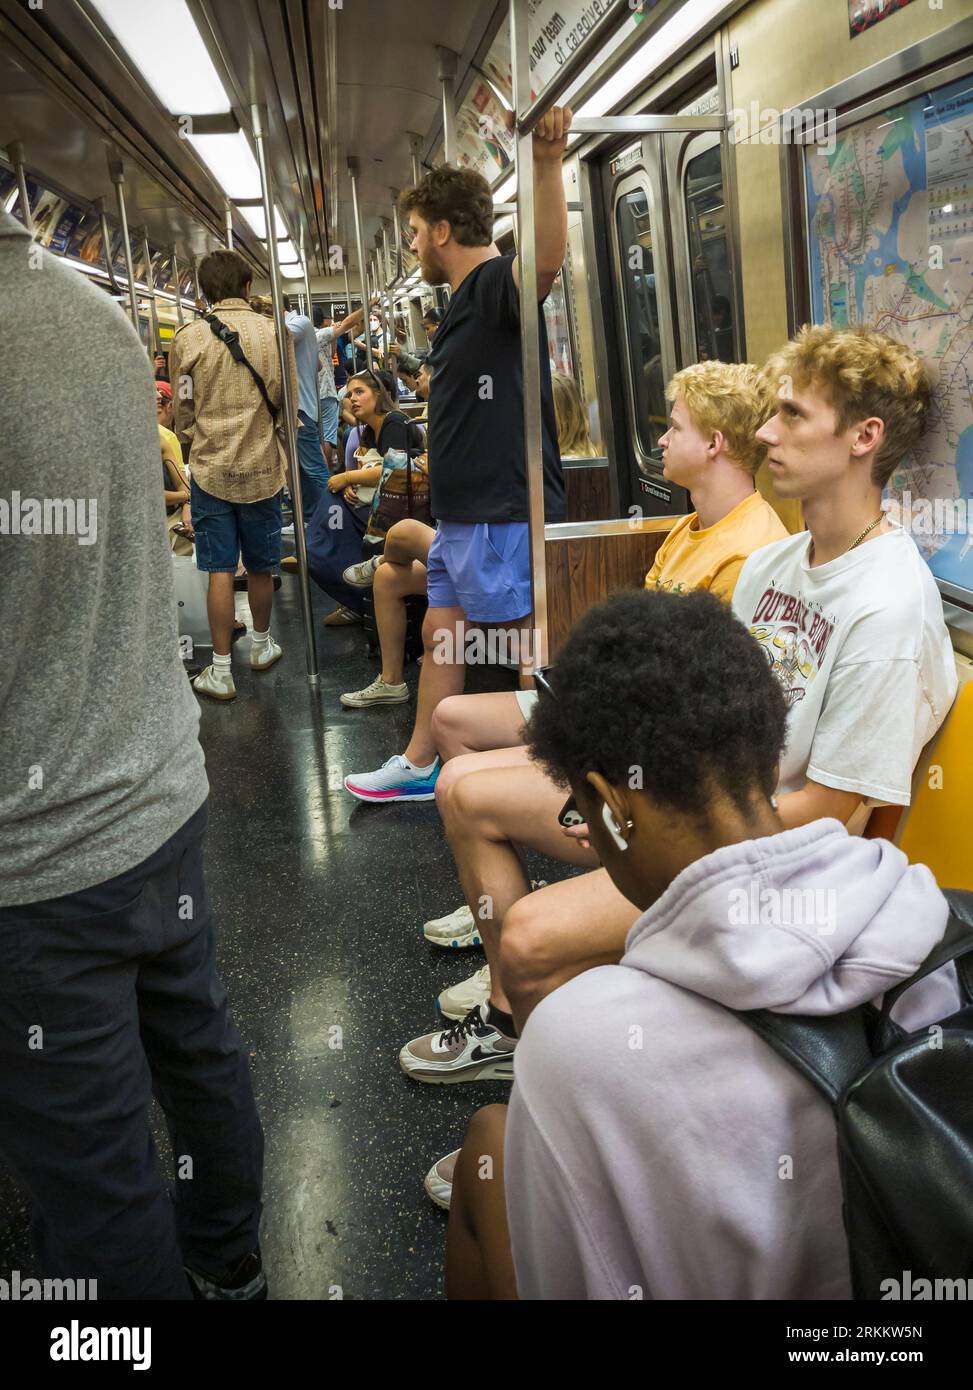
column 712, row 175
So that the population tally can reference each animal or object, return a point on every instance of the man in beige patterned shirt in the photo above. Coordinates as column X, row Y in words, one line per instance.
column 237, row 458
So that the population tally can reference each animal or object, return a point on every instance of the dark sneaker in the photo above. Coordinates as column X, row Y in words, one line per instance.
column 247, row 1283
column 473, row 1050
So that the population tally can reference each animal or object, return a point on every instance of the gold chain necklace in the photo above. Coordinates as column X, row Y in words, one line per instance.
column 870, row 527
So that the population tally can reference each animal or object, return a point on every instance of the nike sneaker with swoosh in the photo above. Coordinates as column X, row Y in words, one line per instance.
column 473, row 1050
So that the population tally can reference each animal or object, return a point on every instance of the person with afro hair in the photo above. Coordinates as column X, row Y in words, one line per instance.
column 641, row 1156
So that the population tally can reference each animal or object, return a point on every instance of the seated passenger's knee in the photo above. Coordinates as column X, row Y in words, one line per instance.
column 526, row 958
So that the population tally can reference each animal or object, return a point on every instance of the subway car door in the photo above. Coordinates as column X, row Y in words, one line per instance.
column 644, row 303
column 673, row 277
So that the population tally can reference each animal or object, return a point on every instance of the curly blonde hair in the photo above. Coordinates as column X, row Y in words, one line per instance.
column 861, row 373
column 732, row 397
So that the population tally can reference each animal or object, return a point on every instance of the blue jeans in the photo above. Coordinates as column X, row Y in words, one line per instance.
column 122, row 979
column 314, row 470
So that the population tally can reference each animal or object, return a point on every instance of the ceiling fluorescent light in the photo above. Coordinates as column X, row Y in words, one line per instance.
column 257, row 220
column 286, row 254
column 168, row 50
column 652, row 54
column 292, row 272
column 506, row 191
column 231, row 162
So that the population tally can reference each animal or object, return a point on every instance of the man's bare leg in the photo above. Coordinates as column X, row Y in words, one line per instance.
column 473, row 723
column 393, row 584
column 558, row 932
column 486, row 815
column 260, row 596
column 479, row 1262
column 220, row 611
column 439, row 678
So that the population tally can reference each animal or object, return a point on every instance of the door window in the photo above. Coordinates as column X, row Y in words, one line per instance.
column 709, row 257
column 634, row 230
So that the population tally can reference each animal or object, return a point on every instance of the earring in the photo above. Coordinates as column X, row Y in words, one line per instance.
column 613, row 828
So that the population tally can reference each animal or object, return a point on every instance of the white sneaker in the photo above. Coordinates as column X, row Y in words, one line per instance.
column 457, row 1001
column 263, row 657
column 455, row 931
column 361, row 576
column 439, row 1180
column 217, row 687
column 378, row 693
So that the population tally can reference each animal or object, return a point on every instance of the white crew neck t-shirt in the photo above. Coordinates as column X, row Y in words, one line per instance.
column 862, row 652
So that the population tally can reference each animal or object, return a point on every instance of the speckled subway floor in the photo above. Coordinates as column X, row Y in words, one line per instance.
column 320, row 902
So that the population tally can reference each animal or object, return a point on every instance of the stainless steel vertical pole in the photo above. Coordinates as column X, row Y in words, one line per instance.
column 447, row 76
column 530, row 340
column 310, row 314
column 228, row 216
column 118, row 179
column 16, row 151
column 156, row 344
column 415, row 145
column 363, row 269
column 177, row 280
column 257, row 117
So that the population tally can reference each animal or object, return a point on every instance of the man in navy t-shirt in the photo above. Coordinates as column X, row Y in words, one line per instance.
column 479, row 563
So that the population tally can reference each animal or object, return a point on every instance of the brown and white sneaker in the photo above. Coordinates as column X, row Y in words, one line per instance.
column 473, row 1050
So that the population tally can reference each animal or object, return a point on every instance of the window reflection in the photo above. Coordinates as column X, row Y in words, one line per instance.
column 634, row 229
column 709, row 255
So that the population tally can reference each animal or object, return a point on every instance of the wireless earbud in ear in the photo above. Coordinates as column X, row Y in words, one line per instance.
column 613, row 828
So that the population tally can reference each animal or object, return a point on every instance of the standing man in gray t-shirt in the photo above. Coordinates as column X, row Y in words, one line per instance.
column 108, row 983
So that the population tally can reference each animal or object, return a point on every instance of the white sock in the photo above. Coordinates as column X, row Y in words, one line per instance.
column 416, row 768
column 222, row 665
column 260, row 639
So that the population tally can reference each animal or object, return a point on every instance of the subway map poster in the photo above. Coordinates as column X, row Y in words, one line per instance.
column 890, row 241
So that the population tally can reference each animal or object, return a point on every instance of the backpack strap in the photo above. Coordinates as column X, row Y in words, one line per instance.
column 231, row 339
column 829, row 1051
column 956, row 944
column 832, row 1050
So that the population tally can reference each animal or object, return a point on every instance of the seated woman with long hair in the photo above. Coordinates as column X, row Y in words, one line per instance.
column 335, row 531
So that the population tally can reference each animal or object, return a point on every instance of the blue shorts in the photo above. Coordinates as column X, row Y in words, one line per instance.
column 329, row 414
column 227, row 530
column 483, row 568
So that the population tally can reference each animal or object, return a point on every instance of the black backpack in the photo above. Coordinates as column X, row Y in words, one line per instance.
column 903, row 1103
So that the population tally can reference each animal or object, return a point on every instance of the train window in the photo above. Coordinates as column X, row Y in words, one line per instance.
column 710, row 257
column 634, row 229
column 558, row 330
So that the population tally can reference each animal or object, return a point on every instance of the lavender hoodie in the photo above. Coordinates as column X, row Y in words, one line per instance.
column 656, row 1147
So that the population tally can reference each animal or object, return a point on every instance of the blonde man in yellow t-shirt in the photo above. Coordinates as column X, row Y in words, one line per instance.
column 711, row 450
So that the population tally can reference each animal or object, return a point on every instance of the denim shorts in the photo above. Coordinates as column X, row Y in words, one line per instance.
column 483, row 568
column 225, row 531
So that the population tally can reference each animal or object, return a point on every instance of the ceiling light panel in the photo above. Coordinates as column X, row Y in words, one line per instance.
column 230, row 160
column 161, row 38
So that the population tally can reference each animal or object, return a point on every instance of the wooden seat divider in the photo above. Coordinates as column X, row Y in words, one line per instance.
column 588, row 561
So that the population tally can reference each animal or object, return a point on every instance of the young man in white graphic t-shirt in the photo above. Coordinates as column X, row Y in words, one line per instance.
column 848, row 616
column 847, row 612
